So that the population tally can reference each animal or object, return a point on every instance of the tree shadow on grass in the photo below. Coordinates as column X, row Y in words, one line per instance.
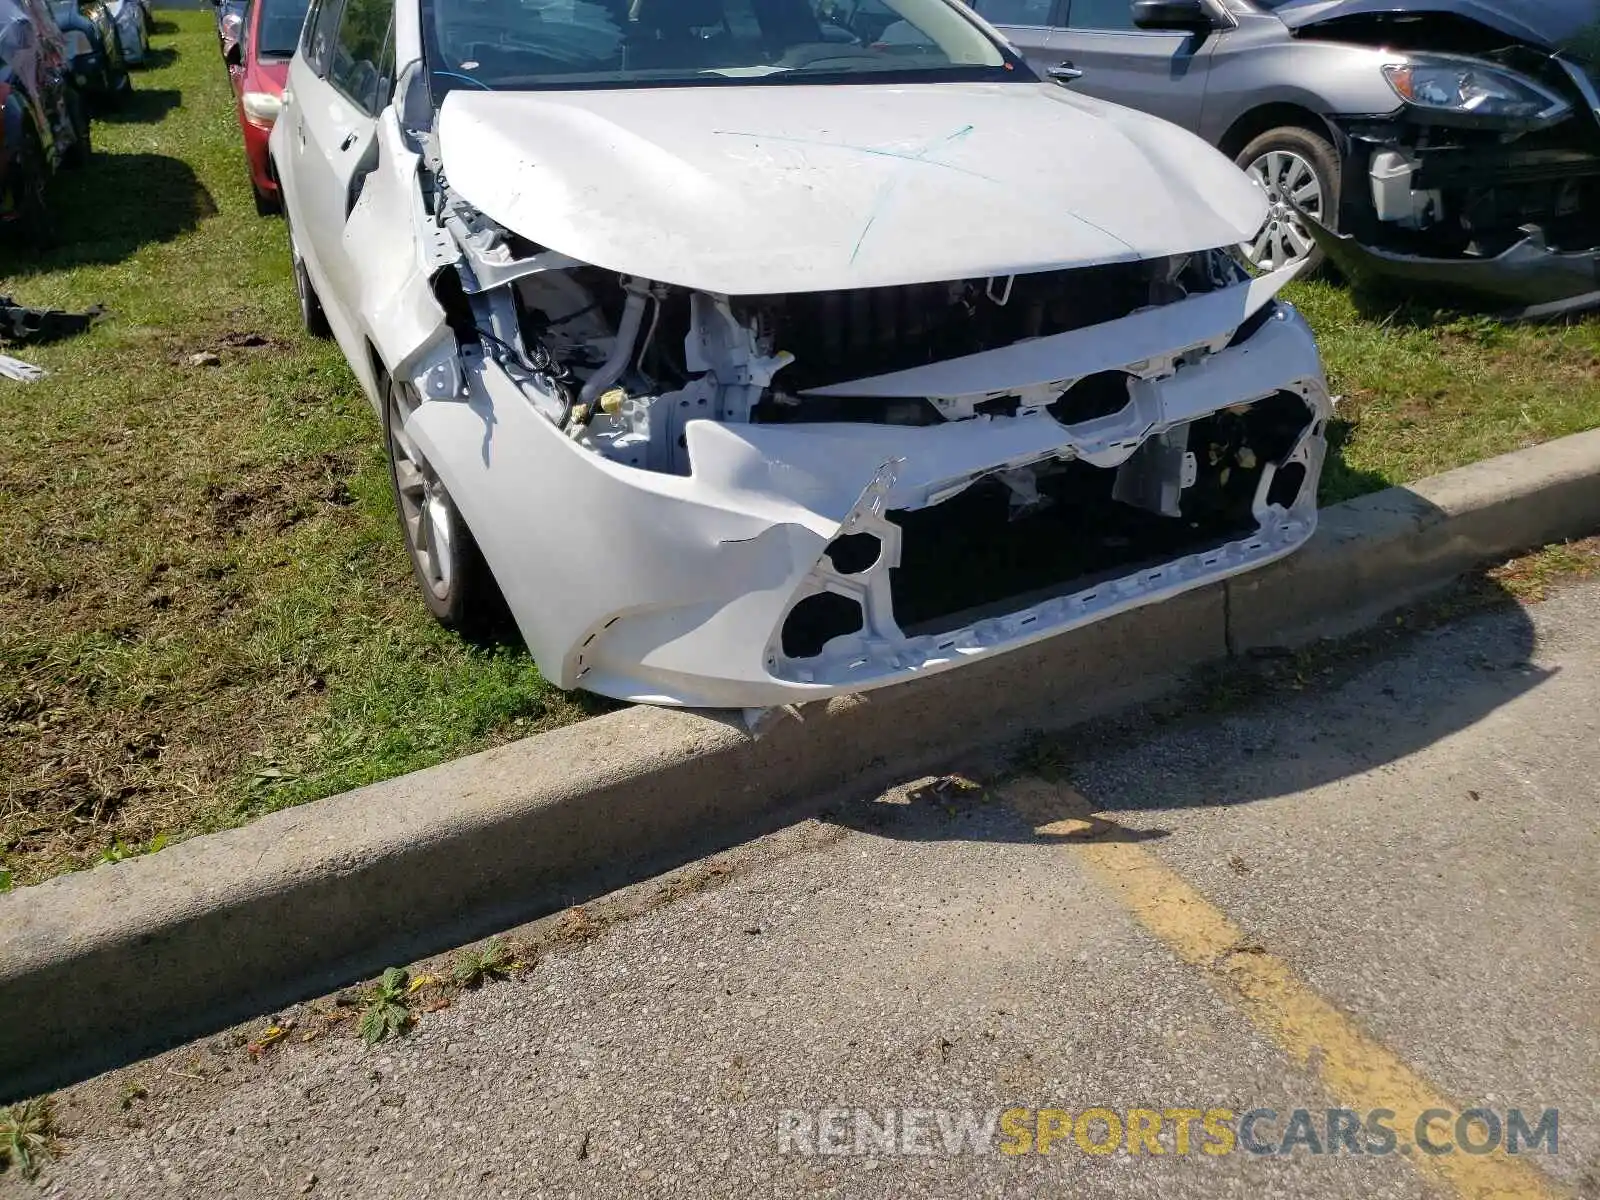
column 159, row 56
column 142, row 105
column 113, row 206
column 1341, row 481
column 1383, row 304
column 1398, row 307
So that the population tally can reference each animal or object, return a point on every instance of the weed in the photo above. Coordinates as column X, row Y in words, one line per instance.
column 472, row 968
column 119, row 850
column 386, row 1008
column 1531, row 576
column 27, row 1135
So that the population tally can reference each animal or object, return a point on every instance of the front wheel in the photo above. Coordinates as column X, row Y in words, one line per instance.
column 445, row 559
column 1299, row 172
column 311, row 313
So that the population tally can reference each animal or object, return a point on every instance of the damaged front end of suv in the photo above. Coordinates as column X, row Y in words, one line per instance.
column 742, row 410
column 1484, row 184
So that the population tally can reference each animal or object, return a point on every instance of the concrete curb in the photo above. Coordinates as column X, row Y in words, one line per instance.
column 99, row 967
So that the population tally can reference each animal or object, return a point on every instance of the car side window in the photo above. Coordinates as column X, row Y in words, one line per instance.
column 362, row 53
column 1015, row 12
column 1113, row 15
column 321, row 24
column 307, row 25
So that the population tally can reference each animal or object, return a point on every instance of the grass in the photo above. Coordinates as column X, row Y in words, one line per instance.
column 209, row 613
column 1424, row 392
column 27, row 1135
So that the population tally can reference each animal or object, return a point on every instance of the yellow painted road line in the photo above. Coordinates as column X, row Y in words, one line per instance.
column 1353, row 1066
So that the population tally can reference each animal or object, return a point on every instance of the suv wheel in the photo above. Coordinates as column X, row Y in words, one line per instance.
column 1299, row 172
column 455, row 581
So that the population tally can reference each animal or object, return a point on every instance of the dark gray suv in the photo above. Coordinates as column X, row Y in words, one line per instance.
column 1453, row 143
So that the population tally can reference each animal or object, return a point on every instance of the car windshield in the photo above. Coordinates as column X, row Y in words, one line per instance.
column 279, row 31
column 649, row 43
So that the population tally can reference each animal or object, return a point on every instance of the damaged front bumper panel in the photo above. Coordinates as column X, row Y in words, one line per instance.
column 724, row 543
column 1528, row 281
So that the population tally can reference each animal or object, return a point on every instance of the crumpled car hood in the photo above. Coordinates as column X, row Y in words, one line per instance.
column 787, row 188
column 1572, row 25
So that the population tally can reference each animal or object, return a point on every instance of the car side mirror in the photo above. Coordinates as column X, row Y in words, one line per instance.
column 1185, row 16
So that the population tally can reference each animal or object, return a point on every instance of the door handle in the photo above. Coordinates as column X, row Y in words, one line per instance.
column 1064, row 73
column 349, row 140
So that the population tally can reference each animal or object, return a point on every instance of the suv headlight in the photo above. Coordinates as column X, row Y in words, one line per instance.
column 263, row 106
column 1470, row 88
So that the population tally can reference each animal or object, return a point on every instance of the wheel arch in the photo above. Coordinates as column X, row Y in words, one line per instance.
column 1277, row 115
column 379, row 373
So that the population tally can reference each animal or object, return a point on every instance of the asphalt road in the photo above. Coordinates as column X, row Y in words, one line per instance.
column 1375, row 893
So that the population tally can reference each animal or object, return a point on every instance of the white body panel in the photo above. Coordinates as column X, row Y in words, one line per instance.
column 751, row 190
column 672, row 589
column 667, row 587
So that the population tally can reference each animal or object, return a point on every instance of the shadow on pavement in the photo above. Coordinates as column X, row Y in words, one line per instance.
column 1250, row 729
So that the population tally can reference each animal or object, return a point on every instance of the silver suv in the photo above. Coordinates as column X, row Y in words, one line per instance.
column 1452, row 143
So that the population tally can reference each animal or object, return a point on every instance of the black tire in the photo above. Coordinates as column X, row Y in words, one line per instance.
column 456, row 584
column 311, row 313
column 266, row 206
column 82, row 138
column 1319, row 154
column 26, row 184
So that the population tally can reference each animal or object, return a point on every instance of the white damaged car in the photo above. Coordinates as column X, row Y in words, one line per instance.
column 762, row 350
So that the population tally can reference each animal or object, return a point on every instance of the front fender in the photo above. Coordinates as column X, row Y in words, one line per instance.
column 394, row 291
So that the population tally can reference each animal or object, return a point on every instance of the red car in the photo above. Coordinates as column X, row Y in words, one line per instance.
column 258, row 65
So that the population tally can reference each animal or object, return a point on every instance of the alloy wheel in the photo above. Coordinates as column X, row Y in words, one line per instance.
column 1292, row 187
column 425, row 509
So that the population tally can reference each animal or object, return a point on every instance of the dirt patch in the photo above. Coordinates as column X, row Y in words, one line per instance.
column 129, row 701
column 279, row 496
column 183, row 348
column 237, row 340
